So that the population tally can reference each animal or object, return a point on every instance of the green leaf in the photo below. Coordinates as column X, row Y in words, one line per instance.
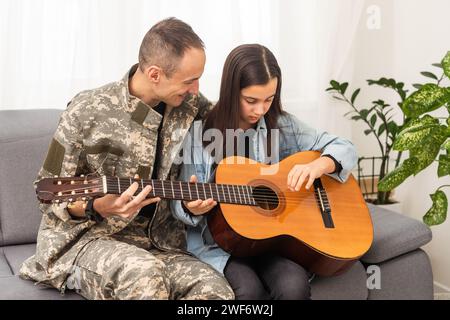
column 446, row 64
column 390, row 83
column 444, row 165
column 384, row 82
column 381, row 129
column 392, row 127
column 429, row 75
column 414, row 133
column 364, row 113
column 373, row 120
column 438, row 212
column 356, row 118
column 367, row 131
column 423, row 138
column 428, row 98
column 446, row 146
column 347, row 113
column 417, row 85
column 338, row 98
column 425, row 155
column 439, row 65
column 398, row 175
column 354, row 95
column 343, row 87
column 334, row 84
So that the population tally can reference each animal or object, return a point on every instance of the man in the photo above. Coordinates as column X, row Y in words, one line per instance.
column 109, row 248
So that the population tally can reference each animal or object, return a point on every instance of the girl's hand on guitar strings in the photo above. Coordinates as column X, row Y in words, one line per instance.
column 199, row 207
column 302, row 173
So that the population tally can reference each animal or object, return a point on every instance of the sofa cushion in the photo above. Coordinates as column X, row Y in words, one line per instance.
column 14, row 288
column 22, row 124
column 407, row 277
column 19, row 212
column 5, row 269
column 350, row 285
column 24, row 139
column 15, row 255
column 394, row 235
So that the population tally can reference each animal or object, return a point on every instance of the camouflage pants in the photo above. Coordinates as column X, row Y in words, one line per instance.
column 111, row 269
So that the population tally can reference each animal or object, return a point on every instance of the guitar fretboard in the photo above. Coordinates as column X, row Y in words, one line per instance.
column 188, row 191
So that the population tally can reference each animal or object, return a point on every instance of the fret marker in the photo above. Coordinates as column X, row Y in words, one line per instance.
column 196, row 187
column 189, row 188
column 171, row 185
column 212, row 196
column 181, row 189
column 218, row 194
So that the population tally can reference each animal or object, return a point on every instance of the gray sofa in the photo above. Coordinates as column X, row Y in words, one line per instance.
column 24, row 138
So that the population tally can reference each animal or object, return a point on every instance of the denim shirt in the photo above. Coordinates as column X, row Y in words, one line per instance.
column 295, row 136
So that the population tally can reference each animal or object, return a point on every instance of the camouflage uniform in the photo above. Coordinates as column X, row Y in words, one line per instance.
column 109, row 131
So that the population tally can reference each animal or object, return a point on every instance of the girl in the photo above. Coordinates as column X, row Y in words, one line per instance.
column 250, row 100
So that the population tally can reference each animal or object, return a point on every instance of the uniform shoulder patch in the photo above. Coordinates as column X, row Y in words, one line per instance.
column 55, row 157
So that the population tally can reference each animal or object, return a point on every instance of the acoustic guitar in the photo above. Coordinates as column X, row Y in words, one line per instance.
column 325, row 229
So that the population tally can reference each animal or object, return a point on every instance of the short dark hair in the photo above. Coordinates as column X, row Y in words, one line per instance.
column 165, row 43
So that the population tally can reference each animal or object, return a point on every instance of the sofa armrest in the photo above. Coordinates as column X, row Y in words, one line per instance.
column 394, row 235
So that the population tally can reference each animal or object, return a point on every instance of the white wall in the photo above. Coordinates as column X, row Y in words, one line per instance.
column 412, row 35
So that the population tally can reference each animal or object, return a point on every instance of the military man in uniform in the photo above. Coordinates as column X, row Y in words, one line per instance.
column 127, row 246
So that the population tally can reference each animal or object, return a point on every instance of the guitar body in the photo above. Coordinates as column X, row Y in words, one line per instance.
column 294, row 225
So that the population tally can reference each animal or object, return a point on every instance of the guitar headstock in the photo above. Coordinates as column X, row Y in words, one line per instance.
column 69, row 189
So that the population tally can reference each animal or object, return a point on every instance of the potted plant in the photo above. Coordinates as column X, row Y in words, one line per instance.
column 380, row 125
column 426, row 137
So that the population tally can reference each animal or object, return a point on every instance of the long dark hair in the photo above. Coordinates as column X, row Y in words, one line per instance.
column 246, row 65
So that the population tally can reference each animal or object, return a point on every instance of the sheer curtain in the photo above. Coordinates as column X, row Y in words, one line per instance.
column 51, row 49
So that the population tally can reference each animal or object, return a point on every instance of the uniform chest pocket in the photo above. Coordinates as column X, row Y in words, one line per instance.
column 103, row 159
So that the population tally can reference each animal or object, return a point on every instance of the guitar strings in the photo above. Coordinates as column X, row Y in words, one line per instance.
column 271, row 199
column 263, row 195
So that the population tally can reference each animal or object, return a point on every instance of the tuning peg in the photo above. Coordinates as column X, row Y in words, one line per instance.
column 81, row 175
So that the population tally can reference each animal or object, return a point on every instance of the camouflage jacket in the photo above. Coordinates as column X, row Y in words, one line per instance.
column 109, row 131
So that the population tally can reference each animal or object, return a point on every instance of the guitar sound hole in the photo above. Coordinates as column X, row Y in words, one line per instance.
column 265, row 197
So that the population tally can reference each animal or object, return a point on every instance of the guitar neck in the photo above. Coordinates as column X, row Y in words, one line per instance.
column 187, row 191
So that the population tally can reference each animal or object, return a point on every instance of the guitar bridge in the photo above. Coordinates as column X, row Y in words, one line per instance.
column 322, row 201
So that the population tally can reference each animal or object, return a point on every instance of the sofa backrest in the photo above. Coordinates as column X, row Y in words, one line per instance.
column 24, row 139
